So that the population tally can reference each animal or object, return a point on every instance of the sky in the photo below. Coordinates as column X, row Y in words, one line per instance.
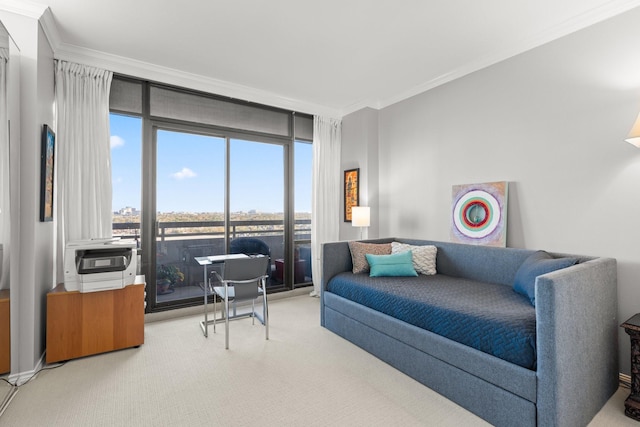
column 190, row 171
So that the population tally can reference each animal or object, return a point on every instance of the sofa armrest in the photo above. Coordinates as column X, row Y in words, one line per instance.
column 577, row 341
column 336, row 258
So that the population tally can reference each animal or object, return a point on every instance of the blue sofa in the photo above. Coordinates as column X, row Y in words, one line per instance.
column 575, row 336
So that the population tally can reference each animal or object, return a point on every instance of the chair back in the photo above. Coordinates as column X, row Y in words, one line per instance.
column 251, row 270
column 241, row 269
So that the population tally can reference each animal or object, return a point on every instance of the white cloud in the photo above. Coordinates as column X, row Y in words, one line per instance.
column 116, row 141
column 184, row 173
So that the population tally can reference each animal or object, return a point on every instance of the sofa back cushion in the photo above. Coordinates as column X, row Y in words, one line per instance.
column 483, row 263
column 476, row 262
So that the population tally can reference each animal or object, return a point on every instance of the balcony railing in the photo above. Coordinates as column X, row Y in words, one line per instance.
column 178, row 242
column 212, row 229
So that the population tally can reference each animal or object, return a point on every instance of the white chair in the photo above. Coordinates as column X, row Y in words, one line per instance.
column 243, row 279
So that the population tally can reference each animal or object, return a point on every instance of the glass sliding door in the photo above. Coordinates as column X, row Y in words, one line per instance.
column 190, row 206
column 256, row 203
column 217, row 195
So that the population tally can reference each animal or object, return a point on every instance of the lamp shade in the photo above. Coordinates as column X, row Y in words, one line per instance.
column 634, row 134
column 360, row 216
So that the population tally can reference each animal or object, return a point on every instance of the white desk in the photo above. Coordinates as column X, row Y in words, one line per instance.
column 205, row 261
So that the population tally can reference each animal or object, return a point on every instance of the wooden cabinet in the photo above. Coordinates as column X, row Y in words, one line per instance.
column 632, row 404
column 82, row 324
column 5, row 333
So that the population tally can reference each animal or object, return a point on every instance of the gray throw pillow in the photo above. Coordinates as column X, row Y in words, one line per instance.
column 360, row 249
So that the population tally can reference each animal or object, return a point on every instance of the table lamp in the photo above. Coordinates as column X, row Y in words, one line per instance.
column 634, row 134
column 360, row 217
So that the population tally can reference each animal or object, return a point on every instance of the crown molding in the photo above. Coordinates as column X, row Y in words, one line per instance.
column 598, row 14
column 367, row 103
column 38, row 12
column 48, row 24
column 148, row 71
column 23, row 7
column 140, row 69
column 144, row 70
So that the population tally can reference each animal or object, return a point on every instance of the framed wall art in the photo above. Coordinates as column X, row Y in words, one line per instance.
column 479, row 213
column 46, row 173
column 351, row 191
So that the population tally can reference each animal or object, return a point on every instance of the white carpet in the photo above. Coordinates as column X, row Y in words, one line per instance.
column 303, row 376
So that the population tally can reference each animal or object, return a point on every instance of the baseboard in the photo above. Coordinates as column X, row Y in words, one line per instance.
column 22, row 377
column 624, row 380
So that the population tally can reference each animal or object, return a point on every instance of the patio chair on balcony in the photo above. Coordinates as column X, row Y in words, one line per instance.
column 251, row 246
column 242, row 279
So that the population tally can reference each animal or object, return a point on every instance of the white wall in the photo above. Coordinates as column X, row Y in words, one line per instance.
column 360, row 150
column 32, row 274
column 45, row 231
column 550, row 121
column 13, row 84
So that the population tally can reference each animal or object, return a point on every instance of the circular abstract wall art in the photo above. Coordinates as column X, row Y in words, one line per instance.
column 476, row 214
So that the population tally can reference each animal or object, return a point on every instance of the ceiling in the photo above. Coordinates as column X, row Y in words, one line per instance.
column 327, row 57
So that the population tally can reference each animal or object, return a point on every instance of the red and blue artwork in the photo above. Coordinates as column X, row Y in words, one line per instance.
column 479, row 214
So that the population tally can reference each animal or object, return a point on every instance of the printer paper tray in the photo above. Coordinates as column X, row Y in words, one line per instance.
column 101, row 285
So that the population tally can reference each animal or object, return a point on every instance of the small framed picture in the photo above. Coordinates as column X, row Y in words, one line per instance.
column 46, row 173
column 351, row 191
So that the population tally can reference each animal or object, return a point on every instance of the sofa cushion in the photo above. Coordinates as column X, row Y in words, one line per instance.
column 424, row 256
column 486, row 316
column 400, row 264
column 358, row 251
column 538, row 263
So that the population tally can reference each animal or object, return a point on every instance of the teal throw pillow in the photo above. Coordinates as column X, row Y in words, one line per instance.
column 536, row 264
column 400, row 264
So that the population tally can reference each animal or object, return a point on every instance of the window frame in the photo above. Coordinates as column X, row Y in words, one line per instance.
column 151, row 123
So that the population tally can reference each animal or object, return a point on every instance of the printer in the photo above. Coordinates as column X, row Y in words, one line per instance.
column 99, row 264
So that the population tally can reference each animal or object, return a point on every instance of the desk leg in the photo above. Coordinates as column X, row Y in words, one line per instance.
column 226, row 315
column 265, row 309
column 632, row 404
column 205, row 328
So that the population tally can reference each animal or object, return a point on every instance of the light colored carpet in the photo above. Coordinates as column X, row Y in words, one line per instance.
column 303, row 376
column 4, row 388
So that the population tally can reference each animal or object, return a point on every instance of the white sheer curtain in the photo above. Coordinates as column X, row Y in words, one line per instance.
column 83, row 189
column 325, row 203
column 5, row 219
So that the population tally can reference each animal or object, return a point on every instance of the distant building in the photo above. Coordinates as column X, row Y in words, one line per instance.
column 128, row 211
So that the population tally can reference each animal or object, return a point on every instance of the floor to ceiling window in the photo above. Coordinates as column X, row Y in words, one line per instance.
column 126, row 155
column 211, row 176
